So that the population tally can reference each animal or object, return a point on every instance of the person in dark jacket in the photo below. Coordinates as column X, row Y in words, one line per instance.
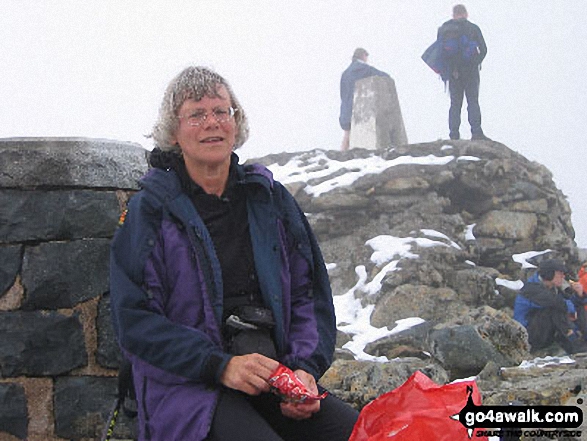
column 216, row 279
column 546, row 312
column 357, row 70
column 464, row 75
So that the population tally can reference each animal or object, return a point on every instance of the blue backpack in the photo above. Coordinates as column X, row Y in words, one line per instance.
column 433, row 57
column 458, row 48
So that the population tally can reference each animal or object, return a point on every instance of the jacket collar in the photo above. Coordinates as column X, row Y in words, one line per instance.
column 165, row 184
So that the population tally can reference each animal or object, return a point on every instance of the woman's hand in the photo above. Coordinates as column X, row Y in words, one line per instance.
column 249, row 373
column 302, row 411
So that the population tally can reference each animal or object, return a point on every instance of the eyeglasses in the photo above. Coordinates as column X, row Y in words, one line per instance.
column 198, row 117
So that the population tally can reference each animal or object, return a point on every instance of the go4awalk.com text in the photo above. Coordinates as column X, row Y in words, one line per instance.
column 522, row 416
column 517, row 433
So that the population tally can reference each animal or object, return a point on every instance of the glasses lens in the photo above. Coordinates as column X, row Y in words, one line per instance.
column 223, row 115
column 196, row 118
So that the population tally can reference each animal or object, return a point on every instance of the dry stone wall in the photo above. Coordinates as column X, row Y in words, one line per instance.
column 60, row 200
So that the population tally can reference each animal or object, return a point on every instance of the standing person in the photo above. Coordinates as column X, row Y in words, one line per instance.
column 216, row 278
column 464, row 49
column 546, row 312
column 357, row 70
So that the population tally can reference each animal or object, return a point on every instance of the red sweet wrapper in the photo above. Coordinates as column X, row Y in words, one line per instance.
column 285, row 383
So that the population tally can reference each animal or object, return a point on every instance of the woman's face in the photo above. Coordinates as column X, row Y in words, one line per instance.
column 206, row 142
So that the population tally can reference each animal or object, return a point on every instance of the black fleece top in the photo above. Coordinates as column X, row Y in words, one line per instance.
column 226, row 219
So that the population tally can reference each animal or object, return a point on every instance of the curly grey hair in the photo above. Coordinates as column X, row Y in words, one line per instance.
column 194, row 83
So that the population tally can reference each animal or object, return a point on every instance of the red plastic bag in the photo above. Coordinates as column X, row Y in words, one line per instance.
column 418, row 410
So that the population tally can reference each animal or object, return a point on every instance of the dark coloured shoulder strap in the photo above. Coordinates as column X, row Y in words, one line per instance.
column 126, row 390
column 126, row 387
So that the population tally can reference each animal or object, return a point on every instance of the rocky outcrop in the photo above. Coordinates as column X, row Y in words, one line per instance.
column 445, row 232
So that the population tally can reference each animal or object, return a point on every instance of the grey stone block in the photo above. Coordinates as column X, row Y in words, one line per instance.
column 82, row 407
column 108, row 354
column 57, row 215
column 70, row 162
column 63, row 274
column 40, row 344
column 13, row 410
column 10, row 258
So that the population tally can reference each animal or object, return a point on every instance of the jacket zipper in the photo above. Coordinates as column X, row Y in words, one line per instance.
column 200, row 253
column 144, row 404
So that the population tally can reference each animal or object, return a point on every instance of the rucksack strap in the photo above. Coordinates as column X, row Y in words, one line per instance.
column 126, row 387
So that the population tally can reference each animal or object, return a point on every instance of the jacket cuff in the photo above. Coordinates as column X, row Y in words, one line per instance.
column 215, row 367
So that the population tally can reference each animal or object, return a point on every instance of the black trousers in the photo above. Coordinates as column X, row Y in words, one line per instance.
column 464, row 84
column 545, row 327
column 246, row 418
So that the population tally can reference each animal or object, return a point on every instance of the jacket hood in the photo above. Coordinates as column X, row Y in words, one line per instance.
column 163, row 159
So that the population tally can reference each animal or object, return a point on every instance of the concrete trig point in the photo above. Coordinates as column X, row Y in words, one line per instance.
column 377, row 121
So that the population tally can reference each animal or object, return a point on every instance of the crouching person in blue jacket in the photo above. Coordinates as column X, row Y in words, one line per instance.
column 216, row 278
column 546, row 312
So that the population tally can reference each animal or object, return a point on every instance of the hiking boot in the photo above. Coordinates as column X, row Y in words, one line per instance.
column 480, row 137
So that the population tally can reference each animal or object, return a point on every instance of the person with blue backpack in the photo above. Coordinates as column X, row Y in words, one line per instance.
column 547, row 312
column 463, row 49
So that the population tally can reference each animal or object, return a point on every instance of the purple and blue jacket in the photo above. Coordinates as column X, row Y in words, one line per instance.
column 167, row 297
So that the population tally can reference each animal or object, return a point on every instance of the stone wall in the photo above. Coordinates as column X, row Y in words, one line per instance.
column 377, row 121
column 60, row 200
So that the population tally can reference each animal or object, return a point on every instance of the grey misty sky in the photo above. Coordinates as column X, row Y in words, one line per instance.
column 98, row 69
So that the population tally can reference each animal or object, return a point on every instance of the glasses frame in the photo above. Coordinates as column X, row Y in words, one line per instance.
column 193, row 121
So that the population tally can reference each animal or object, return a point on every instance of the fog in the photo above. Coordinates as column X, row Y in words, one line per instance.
column 98, row 69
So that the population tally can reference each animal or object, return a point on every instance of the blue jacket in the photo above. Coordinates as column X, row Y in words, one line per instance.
column 534, row 295
column 167, row 296
column 356, row 71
